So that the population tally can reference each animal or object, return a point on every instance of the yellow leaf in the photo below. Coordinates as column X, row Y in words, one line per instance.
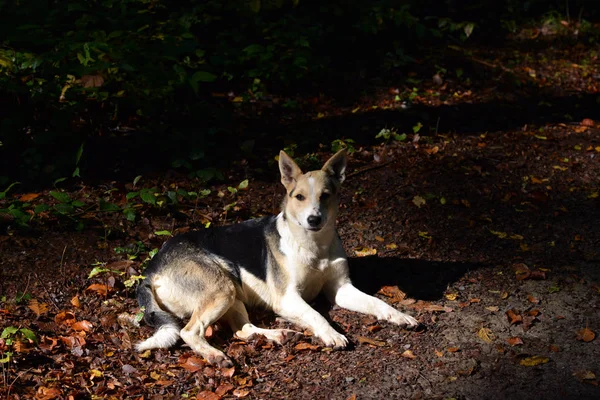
column 593, row 195
column 37, row 307
column 320, row 115
column 355, row 110
column 391, row 246
column 379, row 239
column 451, row 296
column 364, row 251
column 155, row 375
column 486, row 335
column 408, row 354
column 501, row 235
column 418, row 201
column 533, row 361
column 560, row 168
column 536, row 180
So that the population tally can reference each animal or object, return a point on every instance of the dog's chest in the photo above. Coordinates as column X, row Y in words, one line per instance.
column 308, row 276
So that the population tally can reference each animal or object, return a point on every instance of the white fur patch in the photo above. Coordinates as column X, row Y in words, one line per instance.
column 166, row 336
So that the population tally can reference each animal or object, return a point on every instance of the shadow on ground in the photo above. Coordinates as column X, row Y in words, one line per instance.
column 422, row 280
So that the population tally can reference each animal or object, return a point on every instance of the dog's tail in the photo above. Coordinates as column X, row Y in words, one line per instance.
column 167, row 325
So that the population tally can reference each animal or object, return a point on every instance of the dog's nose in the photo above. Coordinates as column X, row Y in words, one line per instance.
column 314, row 220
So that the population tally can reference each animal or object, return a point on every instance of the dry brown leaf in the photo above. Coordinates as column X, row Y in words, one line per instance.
column 486, row 335
column 586, row 335
column 475, row 300
column 504, row 295
column 522, row 271
column 21, row 347
column 554, row 348
column 439, row 353
column 534, row 361
column 239, row 393
column 28, row 197
column 47, row 343
column 306, row 346
column 408, row 354
column 513, row 316
column 532, row 299
column 45, row 393
column 374, row 328
column 37, row 307
column 351, row 397
column 207, row 395
column 379, row 239
column 228, row 372
column 223, row 389
column 193, row 364
column 88, row 81
column 537, row 275
column 514, row 341
column 366, row 340
column 82, row 326
column 533, row 313
column 493, row 308
column 65, row 318
column 588, row 122
column 453, row 349
column 99, row 288
column 75, row 302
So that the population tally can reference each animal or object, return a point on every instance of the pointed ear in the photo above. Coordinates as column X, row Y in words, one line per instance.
column 288, row 168
column 336, row 165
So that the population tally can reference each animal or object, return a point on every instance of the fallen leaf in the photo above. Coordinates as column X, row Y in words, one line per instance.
column 537, row 275
column 418, row 201
column 554, row 348
column 193, row 364
column 391, row 246
column 379, row 239
column 228, row 372
column 533, row 313
column 223, row 389
column 584, row 375
column 82, row 326
column 453, row 349
column 522, row 271
column 365, row 251
column 75, row 302
column 493, row 308
column 534, row 361
column 513, row 316
column 44, row 393
column 586, row 335
column 439, row 353
column 451, row 296
column 28, row 197
column 65, row 318
column 504, row 295
column 99, row 288
column 408, row 354
column 514, row 341
column 475, row 300
column 486, row 335
column 588, row 122
column 374, row 328
column 536, row 180
column 239, row 393
column 432, row 150
column 37, row 307
column 306, row 346
column 532, row 299
column 207, row 395
column 366, row 340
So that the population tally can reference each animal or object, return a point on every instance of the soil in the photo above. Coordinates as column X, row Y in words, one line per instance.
column 484, row 228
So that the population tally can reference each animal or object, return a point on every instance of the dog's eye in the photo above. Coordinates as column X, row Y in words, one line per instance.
column 299, row 197
column 325, row 196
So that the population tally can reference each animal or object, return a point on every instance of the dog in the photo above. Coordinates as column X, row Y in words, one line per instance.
column 281, row 262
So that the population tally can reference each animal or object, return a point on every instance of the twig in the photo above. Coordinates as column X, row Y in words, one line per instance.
column 47, row 292
column 14, row 380
column 369, row 168
column 62, row 259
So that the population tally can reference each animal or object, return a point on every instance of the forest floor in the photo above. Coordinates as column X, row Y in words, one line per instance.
column 483, row 225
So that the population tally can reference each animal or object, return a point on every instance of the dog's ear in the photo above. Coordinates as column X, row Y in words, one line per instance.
column 336, row 165
column 289, row 169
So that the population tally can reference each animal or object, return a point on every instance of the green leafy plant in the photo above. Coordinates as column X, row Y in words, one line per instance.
column 339, row 144
column 389, row 135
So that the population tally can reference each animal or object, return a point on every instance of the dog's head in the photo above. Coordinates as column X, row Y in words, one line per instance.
column 312, row 198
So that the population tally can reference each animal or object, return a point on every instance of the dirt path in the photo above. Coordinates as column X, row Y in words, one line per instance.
column 489, row 237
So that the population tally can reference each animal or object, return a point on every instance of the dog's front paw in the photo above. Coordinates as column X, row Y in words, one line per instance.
column 333, row 339
column 404, row 320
